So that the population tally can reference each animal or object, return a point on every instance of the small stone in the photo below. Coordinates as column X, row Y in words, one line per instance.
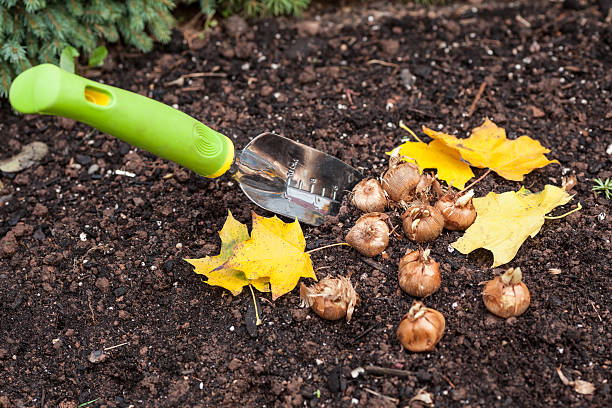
column 124, row 315
column 92, row 169
column 103, row 284
column 83, row 159
column 97, row 356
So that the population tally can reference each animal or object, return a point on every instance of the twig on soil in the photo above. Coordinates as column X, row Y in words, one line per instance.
column 486, row 173
column 181, row 80
column 387, row 371
column 118, row 345
column 477, row 98
column 448, row 381
column 384, row 63
column 373, row 264
column 42, row 398
column 93, row 316
column 388, row 398
column 327, row 246
column 366, row 331
column 595, row 309
column 349, row 93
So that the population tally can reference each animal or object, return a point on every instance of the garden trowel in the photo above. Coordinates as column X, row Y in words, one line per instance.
column 276, row 173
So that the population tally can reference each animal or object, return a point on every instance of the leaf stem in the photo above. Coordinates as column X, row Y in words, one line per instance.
column 258, row 321
column 407, row 129
column 476, row 181
column 578, row 208
column 327, row 246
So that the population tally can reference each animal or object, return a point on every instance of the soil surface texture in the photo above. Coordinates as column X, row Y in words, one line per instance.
column 96, row 302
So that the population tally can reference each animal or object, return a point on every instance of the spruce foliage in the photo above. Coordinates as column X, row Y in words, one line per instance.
column 36, row 31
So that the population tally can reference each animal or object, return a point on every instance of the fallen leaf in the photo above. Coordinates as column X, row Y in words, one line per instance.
column 488, row 147
column 275, row 251
column 232, row 233
column 437, row 155
column 504, row 221
column 28, row 156
column 580, row 386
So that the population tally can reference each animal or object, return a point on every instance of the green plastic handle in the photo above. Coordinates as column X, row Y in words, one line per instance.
column 136, row 119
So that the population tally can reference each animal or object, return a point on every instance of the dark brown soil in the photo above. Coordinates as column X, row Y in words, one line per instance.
column 93, row 259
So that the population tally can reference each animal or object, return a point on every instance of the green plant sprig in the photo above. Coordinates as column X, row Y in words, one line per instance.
column 604, row 187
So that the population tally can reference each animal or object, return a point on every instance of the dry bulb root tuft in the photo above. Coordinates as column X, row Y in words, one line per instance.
column 332, row 298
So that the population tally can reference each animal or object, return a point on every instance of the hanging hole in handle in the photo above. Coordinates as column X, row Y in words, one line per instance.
column 97, row 96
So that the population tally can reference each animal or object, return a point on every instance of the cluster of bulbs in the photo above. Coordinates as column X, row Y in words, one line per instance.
column 403, row 186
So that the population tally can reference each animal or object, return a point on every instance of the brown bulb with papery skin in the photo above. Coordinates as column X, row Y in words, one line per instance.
column 458, row 210
column 370, row 234
column 400, row 181
column 422, row 223
column 369, row 196
column 421, row 328
column 506, row 295
column 331, row 299
column 419, row 273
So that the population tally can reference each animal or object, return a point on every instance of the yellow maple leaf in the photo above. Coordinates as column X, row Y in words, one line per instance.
column 232, row 233
column 437, row 155
column 488, row 147
column 504, row 221
column 274, row 251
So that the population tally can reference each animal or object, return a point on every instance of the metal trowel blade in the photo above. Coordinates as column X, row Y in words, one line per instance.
column 292, row 179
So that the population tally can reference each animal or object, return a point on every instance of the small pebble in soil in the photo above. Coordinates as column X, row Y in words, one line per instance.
column 97, row 356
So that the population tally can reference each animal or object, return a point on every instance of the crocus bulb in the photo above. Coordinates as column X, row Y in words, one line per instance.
column 332, row 298
column 419, row 273
column 370, row 234
column 458, row 211
column 400, row 181
column 421, row 328
column 422, row 223
column 369, row 196
column 507, row 295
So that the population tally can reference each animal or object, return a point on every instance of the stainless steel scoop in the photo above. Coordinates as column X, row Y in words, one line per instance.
column 292, row 179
